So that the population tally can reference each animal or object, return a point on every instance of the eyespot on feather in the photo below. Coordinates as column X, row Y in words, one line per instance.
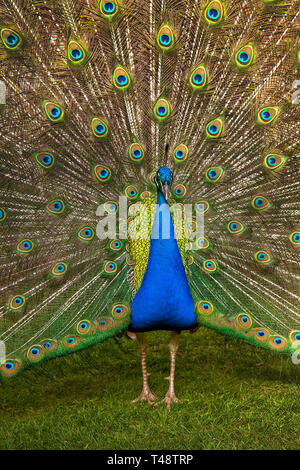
column 2, row 214
column 214, row 12
column 110, row 267
column 244, row 56
column 115, row 245
column 277, row 342
column 25, row 246
column 45, row 159
column 260, row 203
column 214, row 174
column 198, row 77
column 86, row 234
column 162, row 109
column 59, row 269
column 49, row 345
column 35, row 353
column 260, row 334
column 235, row 227
column 121, row 78
column 263, row 257
column 76, row 53
column 84, row 327
column 210, row 266
column 295, row 238
column 202, row 243
column 17, row 302
column 267, row 115
column 120, row 310
column 111, row 207
column 10, row 367
column 102, row 173
column 180, row 153
column 70, row 341
column 274, row 161
column 179, row 190
column 136, row 152
column 204, row 307
column 99, row 128
column 11, row 39
column 104, row 324
column 214, row 128
column 108, row 9
column 56, row 207
column 53, row 111
column 244, row 320
column 131, row 192
column 165, row 38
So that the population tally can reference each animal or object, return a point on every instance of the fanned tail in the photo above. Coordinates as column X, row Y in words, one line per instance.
column 95, row 91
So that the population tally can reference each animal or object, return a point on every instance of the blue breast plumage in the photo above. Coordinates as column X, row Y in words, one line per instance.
column 164, row 301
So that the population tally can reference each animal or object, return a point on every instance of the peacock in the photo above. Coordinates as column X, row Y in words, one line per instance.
column 150, row 175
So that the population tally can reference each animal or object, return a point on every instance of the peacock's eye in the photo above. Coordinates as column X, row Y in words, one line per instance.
column 2, row 215
column 25, row 246
column 235, row 227
column 214, row 129
column 56, row 207
column 180, row 190
column 165, row 38
column 295, row 238
column 162, row 109
column 121, row 78
column 86, row 233
column 84, row 327
column 17, row 302
column 274, row 161
column 261, row 203
column 131, row 192
column 102, row 173
column 54, row 112
column 99, row 128
column 59, row 269
column 214, row 12
column 110, row 267
column 180, row 153
column 76, row 53
column 244, row 56
column 268, row 114
column 108, row 9
column 214, row 174
column 263, row 257
column 11, row 39
column 198, row 77
column 136, row 152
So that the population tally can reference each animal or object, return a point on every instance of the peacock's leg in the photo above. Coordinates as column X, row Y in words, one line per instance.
column 173, row 346
column 146, row 392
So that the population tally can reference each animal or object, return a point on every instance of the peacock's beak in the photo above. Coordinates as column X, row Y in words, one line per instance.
column 166, row 190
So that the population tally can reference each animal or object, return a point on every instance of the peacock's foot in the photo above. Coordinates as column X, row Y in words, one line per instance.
column 146, row 395
column 169, row 399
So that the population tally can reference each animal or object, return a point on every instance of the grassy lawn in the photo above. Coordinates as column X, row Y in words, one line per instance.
column 233, row 396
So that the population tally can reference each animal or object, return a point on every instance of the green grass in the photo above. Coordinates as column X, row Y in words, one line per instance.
column 233, row 396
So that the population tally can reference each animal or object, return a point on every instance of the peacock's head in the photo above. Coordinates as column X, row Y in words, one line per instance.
column 164, row 180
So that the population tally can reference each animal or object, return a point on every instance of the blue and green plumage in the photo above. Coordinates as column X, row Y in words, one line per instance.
column 163, row 300
column 214, row 80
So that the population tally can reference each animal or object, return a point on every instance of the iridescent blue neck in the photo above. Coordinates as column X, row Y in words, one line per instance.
column 161, row 198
